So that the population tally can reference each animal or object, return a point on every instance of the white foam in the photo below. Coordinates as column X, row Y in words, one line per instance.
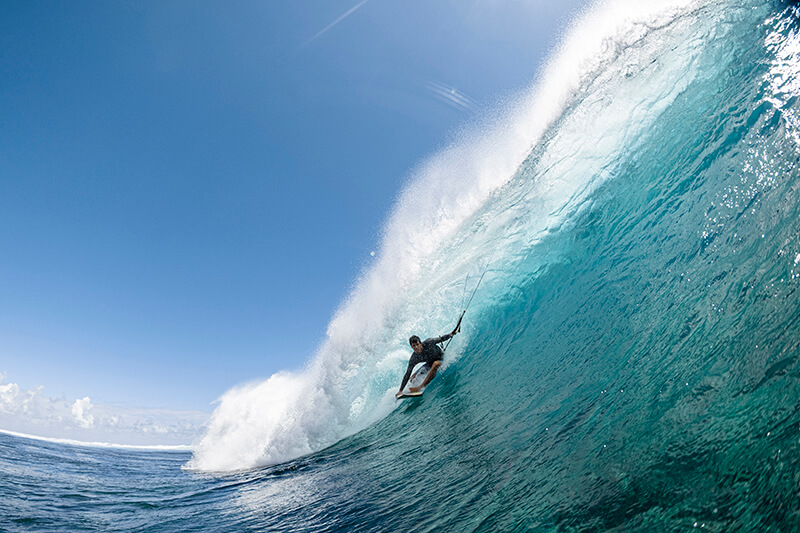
column 462, row 205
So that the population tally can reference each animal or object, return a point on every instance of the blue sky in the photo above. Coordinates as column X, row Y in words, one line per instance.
column 189, row 189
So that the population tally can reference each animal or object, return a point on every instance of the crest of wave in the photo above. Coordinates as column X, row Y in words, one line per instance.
column 349, row 383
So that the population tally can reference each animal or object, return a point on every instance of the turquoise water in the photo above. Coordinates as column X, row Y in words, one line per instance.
column 629, row 363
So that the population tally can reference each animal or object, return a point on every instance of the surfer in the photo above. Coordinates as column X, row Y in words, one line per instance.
column 428, row 352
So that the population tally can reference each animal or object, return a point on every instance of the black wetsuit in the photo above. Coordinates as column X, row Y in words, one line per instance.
column 430, row 353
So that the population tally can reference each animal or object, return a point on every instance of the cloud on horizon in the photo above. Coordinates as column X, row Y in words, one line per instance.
column 32, row 412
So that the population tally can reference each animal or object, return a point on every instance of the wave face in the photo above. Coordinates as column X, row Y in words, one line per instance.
column 631, row 358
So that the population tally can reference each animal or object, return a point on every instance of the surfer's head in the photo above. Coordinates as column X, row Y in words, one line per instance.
column 415, row 343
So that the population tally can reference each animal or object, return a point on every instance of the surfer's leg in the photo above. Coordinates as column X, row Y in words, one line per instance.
column 423, row 368
column 431, row 374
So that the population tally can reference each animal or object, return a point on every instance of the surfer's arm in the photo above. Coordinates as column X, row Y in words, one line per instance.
column 443, row 338
column 450, row 335
column 411, row 364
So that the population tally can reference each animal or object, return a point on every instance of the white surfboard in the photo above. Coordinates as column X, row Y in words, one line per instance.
column 416, row 380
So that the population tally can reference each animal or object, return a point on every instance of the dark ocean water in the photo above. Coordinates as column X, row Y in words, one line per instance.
column 631, row 363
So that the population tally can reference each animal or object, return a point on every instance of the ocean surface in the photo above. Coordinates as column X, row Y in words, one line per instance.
column 630, row 362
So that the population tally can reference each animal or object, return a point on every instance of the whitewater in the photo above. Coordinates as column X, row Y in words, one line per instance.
column 630, row 361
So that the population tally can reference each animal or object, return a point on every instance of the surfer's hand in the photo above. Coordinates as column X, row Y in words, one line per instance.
column 413, row 389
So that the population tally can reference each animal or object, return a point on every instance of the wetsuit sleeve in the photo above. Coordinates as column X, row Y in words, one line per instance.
column 415, row 359
column 439, row 340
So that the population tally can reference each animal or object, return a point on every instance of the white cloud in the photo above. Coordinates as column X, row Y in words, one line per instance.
column 33, row 412
column 80, row 410
column 16, row 401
